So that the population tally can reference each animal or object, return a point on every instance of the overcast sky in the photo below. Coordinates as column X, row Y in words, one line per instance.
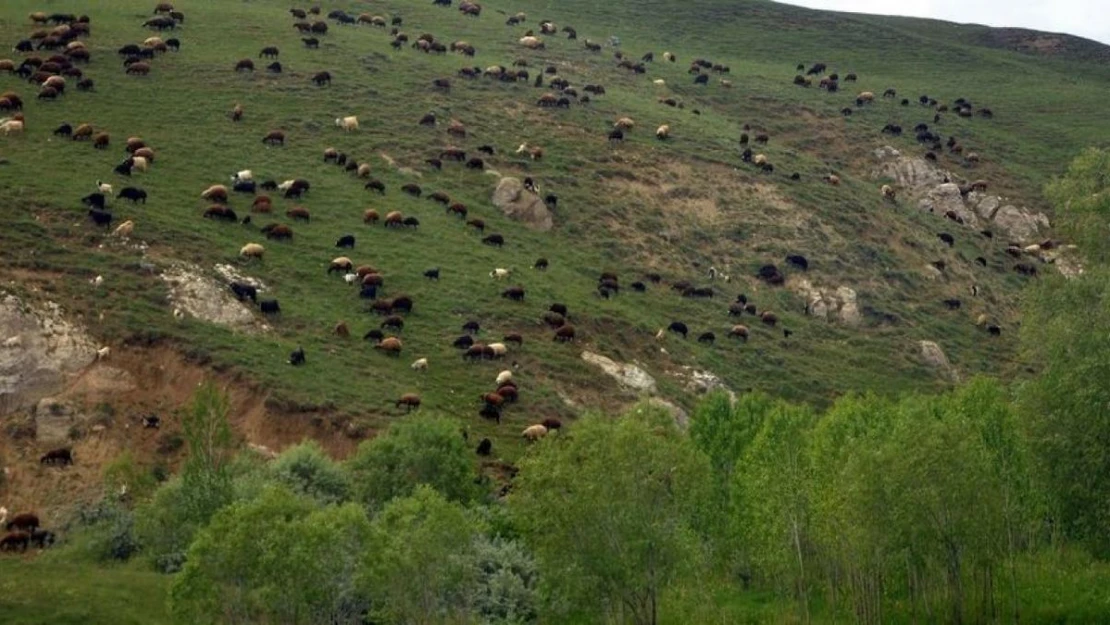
column 1086, row 18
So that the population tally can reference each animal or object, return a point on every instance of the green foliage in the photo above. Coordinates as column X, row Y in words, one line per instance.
column 506, row 582
column 277, row 558
column 106, row 532
column 1082, row 200
column 182, row 506
column 771, row 501
column 626, row 493
column 124, row 474
column 307, row 470
column 420, row 563
column 416, row 450
column 1067, row 331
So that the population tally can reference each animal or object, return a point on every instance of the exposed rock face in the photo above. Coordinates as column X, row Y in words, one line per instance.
column 54, row 419
column 908, row 172
column 945, row 198
column 520, row 205
column 207, row 299
column 933, row 355
column 628, row 375
column 39, row 350
column 837, row 304
column 923, row 180
column 1021, row 225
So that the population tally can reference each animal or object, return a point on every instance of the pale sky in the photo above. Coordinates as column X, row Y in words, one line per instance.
column 1085, row 18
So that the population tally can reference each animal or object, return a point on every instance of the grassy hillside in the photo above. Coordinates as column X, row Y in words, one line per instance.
column 674, row 207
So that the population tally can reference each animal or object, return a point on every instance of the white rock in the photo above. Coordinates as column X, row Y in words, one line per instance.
column 628, row 375
column 935, row 357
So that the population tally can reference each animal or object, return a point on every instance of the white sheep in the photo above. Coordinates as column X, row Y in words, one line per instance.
column 504, row 377
column 500, row 273
column 658, row 82
column 350, row 123
column 178, row 314
column 420, row 365
column 104, row 187
column 13, row 341
column 10, row 126
column 498, row 349
column 285, row 186
column 534, row 432
column 103, row 353
column 97, row 281
column 663, row 132
column 532, row 43
column 350, row 278
column 140, row 163
column 242, row 176
column 660, row 334
column 3, row 513
column 252, row 250
column 125, row 229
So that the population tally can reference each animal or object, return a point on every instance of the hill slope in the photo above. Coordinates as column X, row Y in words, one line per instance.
column 631, row 207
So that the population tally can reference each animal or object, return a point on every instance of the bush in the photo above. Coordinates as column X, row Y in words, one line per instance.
column 416, row 450
column 506, row 576
column 108, row 530
column 307, row 470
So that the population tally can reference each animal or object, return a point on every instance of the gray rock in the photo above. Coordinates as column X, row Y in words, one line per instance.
column 207, row 299
column 913, row 174
column 1021, row 225
column 628, row 375
column 985, row 205
column 520, row 205
column 54, row 420
column 39, row 351
column 849, row 309
column 945, row 198
column 934, row 356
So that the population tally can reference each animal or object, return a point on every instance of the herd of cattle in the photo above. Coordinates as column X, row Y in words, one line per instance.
column 65, row 35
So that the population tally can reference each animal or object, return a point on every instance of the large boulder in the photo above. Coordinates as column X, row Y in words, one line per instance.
column 55, row 420
column 205, row 298
column 1021, row 225
column 521, row 205
column 839, row 304
column 934, row 356
column 908, row 172
column 39, row 351
column 628, row 375
column 945, row 198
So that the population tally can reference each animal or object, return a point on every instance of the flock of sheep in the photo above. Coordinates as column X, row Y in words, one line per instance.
column 66, row 38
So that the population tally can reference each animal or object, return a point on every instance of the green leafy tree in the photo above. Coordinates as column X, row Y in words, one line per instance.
column 416, row 450
column 1082, row 201
column 613, row 513
column 307, row 470
column 1066, row 330
column 506, row 589
column 419, row 562
column 773, row 485
column 182, row 506
column 276, row 559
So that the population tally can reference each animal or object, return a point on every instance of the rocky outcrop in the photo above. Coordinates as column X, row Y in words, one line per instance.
column 39, row 351
column 521, row 205
column 908, row 172
column 837, row 304
column 55, row 420
column 209, row 300
column 627, row 375
column 945, row 199
column 933, row 189
column 934, row 356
